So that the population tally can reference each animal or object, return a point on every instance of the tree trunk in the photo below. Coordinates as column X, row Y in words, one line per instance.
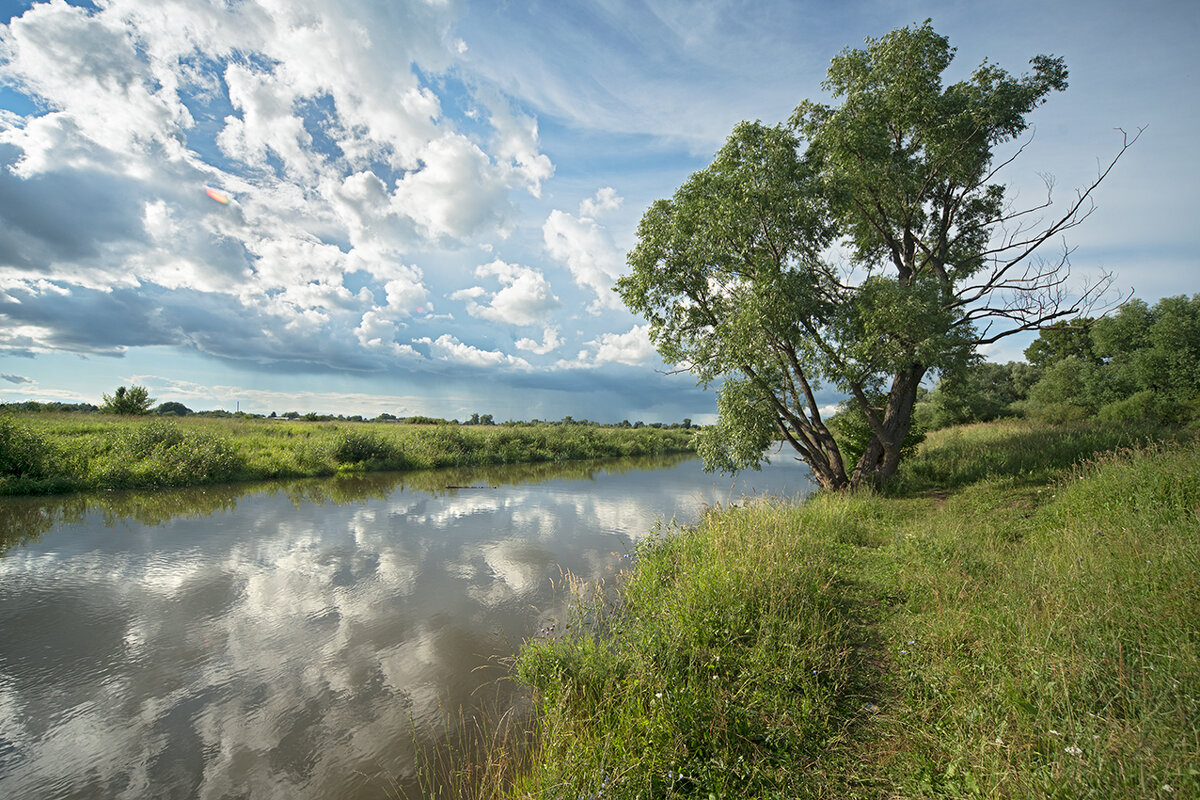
column 881, row 458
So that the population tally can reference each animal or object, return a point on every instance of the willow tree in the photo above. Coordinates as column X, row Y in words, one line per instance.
column 900, row 175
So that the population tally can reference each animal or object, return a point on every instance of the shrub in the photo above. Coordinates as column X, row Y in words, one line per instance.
column 161, row 453
column 356, row 447
column 23, row 452
column 1145, row 406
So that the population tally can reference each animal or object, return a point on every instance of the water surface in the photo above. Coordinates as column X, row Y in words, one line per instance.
column 297, row 640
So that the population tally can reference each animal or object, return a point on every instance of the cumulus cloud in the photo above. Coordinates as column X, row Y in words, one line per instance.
column 586, row 247
column 456, row 194
column 448, row 348
column 525, row 299
column 322, row 124
column 632, row 348
column 606, row 200
column 516, row 146
column 551, row 340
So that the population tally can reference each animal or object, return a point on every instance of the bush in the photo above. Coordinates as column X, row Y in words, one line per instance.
column 23, row 453
column 1145, row 406
column 357, row 447
column 160, row 453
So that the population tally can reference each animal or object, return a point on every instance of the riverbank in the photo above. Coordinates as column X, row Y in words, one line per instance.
column 55, row 453
column 1015, row 617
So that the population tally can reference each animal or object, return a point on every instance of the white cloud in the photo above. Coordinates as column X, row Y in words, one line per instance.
column 551, row 341
column 632, row 348
column 457, row 193
column 586, row 247
column 375, row 330
column 448, row 348
column 606, row 200
column 267, row 124
column 87, row 69
column 517, row 148
column 525, row 299
column 318, row 121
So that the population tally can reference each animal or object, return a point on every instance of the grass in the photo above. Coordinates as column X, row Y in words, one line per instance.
column 1015, row 617
column 48, row 453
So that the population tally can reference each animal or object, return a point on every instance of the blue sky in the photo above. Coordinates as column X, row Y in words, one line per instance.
column 429, row 200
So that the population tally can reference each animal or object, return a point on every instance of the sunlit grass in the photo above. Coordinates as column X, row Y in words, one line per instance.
column 1016, row 628
column 42, row 453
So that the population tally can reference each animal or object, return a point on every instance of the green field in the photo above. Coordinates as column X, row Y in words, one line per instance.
column 1017, row 617
column 61, row 452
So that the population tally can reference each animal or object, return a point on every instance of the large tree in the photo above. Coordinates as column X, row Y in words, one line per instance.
column 734, row 275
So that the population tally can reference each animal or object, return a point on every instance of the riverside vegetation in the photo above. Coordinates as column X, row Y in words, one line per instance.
column 60, row 452
column 1015, row 616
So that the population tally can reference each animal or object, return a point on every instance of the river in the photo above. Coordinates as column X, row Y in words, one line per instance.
column 305, row 639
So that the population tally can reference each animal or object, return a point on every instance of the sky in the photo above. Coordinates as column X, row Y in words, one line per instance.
column 421, row 206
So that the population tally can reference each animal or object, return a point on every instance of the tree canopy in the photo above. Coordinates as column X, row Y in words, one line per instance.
column 1143, row 362
column 734, row 273
column 134, row 400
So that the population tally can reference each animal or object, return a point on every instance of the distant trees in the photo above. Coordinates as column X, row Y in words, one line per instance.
column 1143, row 362
column 978, row 392
column 134, row 400
column 172, row 409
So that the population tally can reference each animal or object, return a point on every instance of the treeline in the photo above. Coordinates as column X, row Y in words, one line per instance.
column 1141, row 364
column 135, row 401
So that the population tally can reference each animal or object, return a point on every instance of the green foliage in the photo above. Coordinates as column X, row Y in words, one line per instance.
column 1060, row 340
column 161, row 453
column 716, row 667
column 1143, row 360
column 24, row 453
column 366, row 447
column 173, row 409
column 730, row 270
column 134, row 400
column 979, row 392
column 854, row 433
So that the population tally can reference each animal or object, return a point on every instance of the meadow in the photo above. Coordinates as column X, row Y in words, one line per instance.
column 1015, row 617
column 61, row 452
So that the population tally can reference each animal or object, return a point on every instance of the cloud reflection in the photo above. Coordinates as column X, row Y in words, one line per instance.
column 278, row 647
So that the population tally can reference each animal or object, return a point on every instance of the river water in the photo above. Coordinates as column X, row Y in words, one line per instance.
column 299, row 640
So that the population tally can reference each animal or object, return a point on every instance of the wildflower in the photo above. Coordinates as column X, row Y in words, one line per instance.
column 1052, row 732
column 999, row 741
column 1168, row 788
column 1072, row 750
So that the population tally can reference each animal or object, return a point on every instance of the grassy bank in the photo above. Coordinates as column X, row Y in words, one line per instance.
column 1017, row 617
column 44, row 453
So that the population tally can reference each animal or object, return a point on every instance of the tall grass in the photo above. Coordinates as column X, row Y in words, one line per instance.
column 998, row 625
column 42, row 453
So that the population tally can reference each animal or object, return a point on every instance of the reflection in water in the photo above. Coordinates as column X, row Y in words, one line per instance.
column 297, row 639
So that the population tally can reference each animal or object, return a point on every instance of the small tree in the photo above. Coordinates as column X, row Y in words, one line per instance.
column 732, row 276
column 134, row 400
